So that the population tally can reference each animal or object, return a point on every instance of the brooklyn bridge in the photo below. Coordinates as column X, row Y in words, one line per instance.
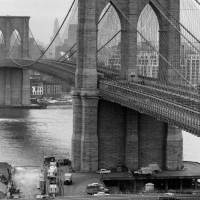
column 135, row 77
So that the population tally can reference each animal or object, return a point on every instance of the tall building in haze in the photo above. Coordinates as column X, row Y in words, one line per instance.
column 57, row 42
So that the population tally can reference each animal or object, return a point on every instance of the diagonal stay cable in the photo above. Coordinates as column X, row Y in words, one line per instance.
column 178, row 23
column 104, row 13
column 153, row 46
column 109, row 40
column 197, row 2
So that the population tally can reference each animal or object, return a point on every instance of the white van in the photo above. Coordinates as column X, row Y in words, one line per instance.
column 51, row 173
column 53, row 189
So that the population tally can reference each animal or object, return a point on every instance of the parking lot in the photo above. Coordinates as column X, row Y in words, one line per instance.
column 79, row 182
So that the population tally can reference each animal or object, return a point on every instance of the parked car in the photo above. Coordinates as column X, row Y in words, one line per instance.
column 170, row 196
column 43, row 196
column 104, row 171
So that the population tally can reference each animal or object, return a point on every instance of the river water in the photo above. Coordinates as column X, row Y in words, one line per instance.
column 28, row 135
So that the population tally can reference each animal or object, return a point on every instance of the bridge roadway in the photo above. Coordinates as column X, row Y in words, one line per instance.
column 178, row 107
column 62, row 71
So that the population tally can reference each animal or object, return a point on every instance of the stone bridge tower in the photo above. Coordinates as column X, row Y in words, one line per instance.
column 14, row 82
column 106, row 134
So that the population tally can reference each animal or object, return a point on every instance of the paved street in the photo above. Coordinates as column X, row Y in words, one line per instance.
column 79, row 182
column 27, row 180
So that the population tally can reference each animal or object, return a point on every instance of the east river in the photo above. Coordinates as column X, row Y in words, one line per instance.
column 28, row 135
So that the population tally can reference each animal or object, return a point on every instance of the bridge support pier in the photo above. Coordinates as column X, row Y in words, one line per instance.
column 111, row 134
column 136, row 140
column 7, row 86
column 77, row 131
column 89, row 140
column 26, row 87
column 131, row 154
column 15, row 87
column 84, row 139
column 2, row 86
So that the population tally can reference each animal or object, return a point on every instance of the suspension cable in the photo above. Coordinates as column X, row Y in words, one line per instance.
column 50, row 42
column 152, row 46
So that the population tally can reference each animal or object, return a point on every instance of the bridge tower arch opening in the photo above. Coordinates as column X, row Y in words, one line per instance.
column 15, row 45
column 109, row 39
column 2, row 45
column 148, row 43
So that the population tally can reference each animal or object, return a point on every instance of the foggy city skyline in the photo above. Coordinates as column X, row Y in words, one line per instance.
column 42, row 14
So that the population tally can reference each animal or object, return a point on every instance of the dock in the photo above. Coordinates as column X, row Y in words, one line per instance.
column 32, row 106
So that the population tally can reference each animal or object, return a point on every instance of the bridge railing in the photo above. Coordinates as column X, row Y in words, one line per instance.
column 173, row 94
column 163, row 109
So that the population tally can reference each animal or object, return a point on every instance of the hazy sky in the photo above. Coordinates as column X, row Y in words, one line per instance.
column 42, row 14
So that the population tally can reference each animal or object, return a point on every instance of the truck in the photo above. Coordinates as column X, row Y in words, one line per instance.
column 53, row 190
column 51, row 173
column 68, row 179
column 52, row 164
column 155, row 168
column 148, row 170
column 144, row 170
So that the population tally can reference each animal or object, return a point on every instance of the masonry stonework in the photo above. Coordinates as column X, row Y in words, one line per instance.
column 89, row 140
column 174, row 148
column 111, row 134
column 2, row 85
column 77, row 132
column 152, row 139
column 131, row 146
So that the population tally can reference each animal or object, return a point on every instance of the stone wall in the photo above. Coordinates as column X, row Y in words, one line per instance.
column 111, row 134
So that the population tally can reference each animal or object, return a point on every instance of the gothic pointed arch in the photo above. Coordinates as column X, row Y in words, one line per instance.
column 148, row 43
column 15, row 44
column 2, row 45
column 109, row 39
